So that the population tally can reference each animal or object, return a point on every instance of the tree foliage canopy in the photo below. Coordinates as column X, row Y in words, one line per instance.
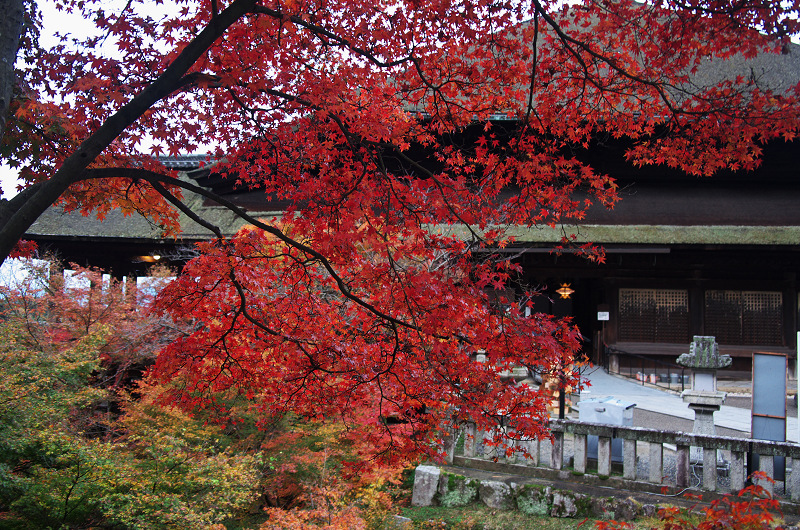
column 75, row 448
column 380, row 125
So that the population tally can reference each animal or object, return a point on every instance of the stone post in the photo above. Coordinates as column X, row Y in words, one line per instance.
column 656, row 470
column 470, row 440
column 426, row 482
column 703, row 398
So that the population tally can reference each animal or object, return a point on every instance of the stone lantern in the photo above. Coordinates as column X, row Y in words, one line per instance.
column 703, row 398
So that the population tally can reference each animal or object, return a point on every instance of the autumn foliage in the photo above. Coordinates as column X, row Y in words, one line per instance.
column 403, row 138
column 752, row 508
column 85, row 441
column 398, row 368
column 81, row 442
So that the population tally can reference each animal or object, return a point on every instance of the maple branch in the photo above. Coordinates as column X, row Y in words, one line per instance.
column 659, row 87
column 249, row 111
column 730, row 11
column 242, row 308
column 355, row 141
column 321, row 32
column 185, row 209
column 153, row 177
column 71, row 170
column 534, row 61
column 440, row 186
column 56, row 144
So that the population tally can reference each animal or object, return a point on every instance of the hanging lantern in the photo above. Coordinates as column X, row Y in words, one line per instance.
column 565, row 291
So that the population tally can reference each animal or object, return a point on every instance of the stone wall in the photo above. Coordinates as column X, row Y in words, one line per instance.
column 434, row 486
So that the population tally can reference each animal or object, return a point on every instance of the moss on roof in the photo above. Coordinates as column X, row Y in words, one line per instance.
column 653, row 234
column 57, row 223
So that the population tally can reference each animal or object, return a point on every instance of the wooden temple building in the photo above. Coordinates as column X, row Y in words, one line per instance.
column 684, row 255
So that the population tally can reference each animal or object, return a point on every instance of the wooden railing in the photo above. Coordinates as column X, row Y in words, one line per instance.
column 656, row 440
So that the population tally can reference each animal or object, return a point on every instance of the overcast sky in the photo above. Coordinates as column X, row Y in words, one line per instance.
column 52, row 21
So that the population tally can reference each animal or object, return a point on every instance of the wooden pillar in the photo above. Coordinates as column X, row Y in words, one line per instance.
column 697, row 306
column 790, row 313
column 612, row 326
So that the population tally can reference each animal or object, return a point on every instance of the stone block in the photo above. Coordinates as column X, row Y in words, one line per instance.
column 580, row 453
column 456, row 490
column 602, row 507
column 495, row 494
column 569, row 504
column 400, row 522
column 794, row 479
column 626, row 510
column 629, row 459
column 656, row 462
column 737, row 471
column 426, row 483
column 604, row 456
column 706, row 399
column 534, row 500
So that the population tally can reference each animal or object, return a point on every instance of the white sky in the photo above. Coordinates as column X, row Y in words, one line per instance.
column 52, row 20
column 8, row 181
column 14, row 273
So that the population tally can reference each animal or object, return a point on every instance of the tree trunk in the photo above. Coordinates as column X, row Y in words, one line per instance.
column 12, row 22
column 19, row 213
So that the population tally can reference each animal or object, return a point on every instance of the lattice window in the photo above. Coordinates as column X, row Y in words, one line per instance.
column 654, row 315
column 723, row 317
column 745, row 317
column 672, row 315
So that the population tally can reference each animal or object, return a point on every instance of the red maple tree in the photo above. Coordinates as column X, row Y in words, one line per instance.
column 405, row 137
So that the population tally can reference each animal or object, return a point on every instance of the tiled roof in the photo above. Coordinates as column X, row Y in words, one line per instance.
column 779, row 72
column 57, row 223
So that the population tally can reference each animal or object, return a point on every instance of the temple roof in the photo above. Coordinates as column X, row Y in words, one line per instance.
column 57, row 223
